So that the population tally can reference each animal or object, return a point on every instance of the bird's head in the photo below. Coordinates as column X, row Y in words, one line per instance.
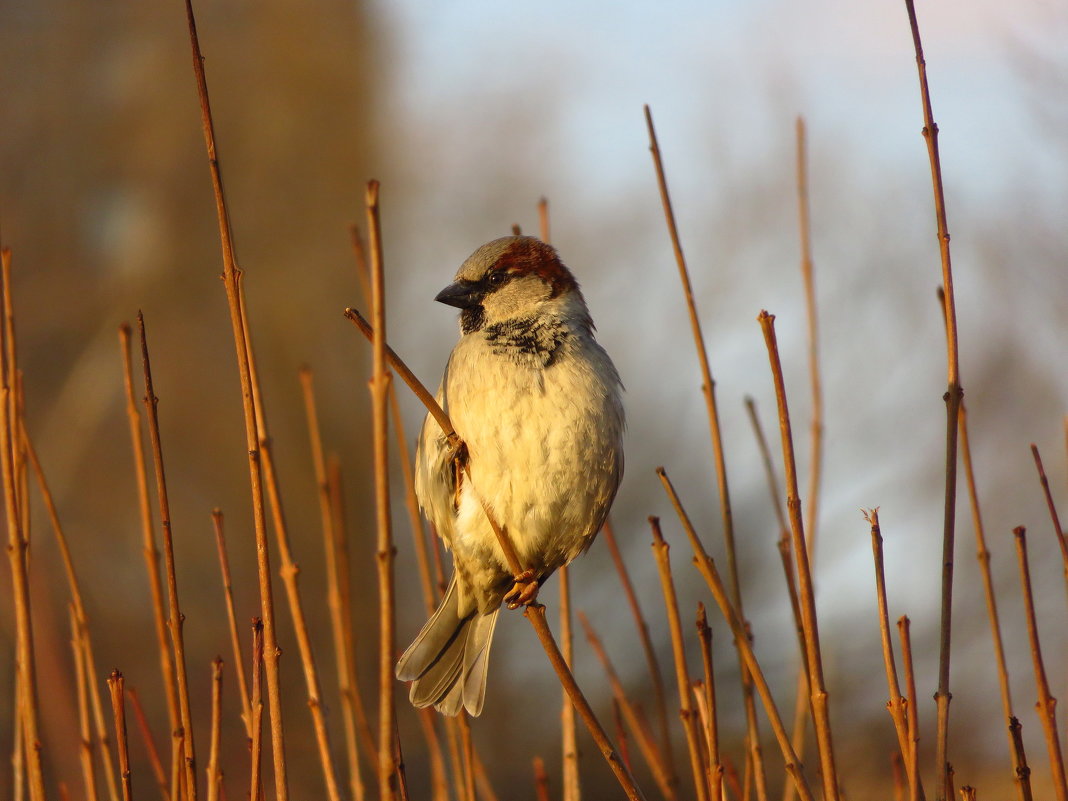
column 513, row 278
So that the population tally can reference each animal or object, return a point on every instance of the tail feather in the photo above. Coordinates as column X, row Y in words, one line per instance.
column 447, row 662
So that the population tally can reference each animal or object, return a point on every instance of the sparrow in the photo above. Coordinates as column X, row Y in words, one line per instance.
column 537, row 404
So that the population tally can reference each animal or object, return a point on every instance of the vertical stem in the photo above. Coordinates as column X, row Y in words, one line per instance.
column 646, row 746
column 608, row 536
column 572, row 789
column 897, row 705
column 150, row 745
column 707, row 567
column 176, row 619
column 256, row 737
column 115, row 684
column 953, row 396
column 1062, row 541
column 682, row 674
column 232, row 284
column 214, row 776
column 81, row 681
column 231, row 616
column 1046, row 705
column 820, row 714
column 715, row 768
column 26, row 665
column 387, row 762
column 333, row 544
column 915, row 788
column 151, row 552
column 708, row 389
column 982, row 555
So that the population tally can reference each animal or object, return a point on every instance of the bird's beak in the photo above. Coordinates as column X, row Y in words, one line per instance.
column 462, row 294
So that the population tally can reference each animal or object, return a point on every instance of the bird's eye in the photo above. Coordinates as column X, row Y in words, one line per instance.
column 495, row 278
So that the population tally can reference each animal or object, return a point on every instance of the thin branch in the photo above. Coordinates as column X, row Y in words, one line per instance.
column 708, row 389
column 682, row 673
column 953, row 397
column 232, row 284
column 1046, row 706
column 652, row 756
column 150, row 746
column 333, row 544
column 151, row 552
column 231, row 616
column 915, row 788
column 708, row 694
column 256, row 738
column 806, row 592
column 214, row 774
column 81, row 682
column 659, row 696
column 176, row 618
column 387, row 746
column 26, row 664
column 572, row 789
column 707, row 567
column 115, row 684
column 982, row 554
column 897, row 706
column 96, row 703
column 1062, row 540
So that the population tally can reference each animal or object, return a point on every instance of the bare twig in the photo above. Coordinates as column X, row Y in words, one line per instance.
column 419, row 533
column 176, row 618
column 708, row 389
column 214, row 773
column 231, row 616
column 1023, row 772
column 150, row 746
column 897, row 706
column 609, row 538
column 572, row 789
column 708, row 693
column 115, row 684
column 1062, row 541
column 26, row 706
column 707, row 567
column 806, row 592
column 1046, row 705
column 983, row 556
column 81, row 681
column 232, row 284
column 682, row 673
column 341, row 560
column 915, row 788
column 953, row 397
column 388, row 786
column 652, row 756
column 541, row 780
column 256, row 737
column 333, row 543
column 151, row 552
column 96, row 704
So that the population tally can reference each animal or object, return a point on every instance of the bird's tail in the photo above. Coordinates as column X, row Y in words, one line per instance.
column 447, row 661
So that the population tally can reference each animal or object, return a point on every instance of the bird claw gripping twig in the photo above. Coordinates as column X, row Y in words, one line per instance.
column 524, row 592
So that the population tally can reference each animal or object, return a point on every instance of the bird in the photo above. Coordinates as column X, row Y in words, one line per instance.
column 537, row 404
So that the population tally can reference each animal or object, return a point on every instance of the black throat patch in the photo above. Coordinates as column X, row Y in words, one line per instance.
column 472, row 319
column 527, row 339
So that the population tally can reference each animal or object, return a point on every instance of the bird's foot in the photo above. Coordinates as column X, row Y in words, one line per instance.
column 524, row 592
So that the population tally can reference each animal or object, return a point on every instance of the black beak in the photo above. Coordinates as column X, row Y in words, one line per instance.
column 462, row 294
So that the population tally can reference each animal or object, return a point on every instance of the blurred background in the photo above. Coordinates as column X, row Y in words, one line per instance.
column 468, row 113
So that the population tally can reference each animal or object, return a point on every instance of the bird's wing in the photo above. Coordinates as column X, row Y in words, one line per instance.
column 435, row 478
